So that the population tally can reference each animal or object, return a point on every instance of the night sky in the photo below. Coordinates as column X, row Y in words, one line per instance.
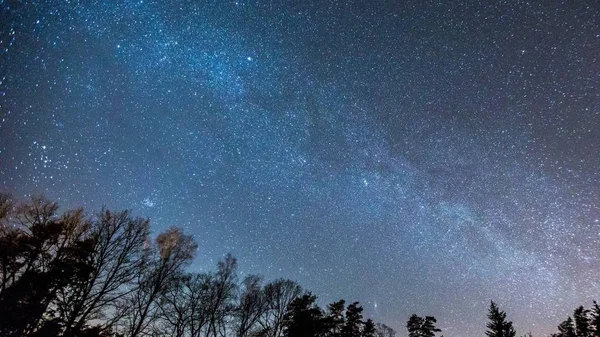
column 417, row 156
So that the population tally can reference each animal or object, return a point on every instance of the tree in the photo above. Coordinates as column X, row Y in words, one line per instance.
column 353, row 324
column 304, row 318
column 421, row 327
column 251, row 305
column 174, row 309
column 567, row 328
column 222, row 295
column 199, row 293
column 171, row 252
column 595, row 320
column 278, row 295
column 581, row 317
column 369, row 329
column 384, row 330
column 335, row 320
column 41, row 254
column 498, row 326
column 117, row 255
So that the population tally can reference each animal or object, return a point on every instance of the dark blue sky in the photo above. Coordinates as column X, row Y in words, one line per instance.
column 418, row 156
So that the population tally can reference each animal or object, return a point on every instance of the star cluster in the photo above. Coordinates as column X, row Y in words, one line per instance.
column 417, row 156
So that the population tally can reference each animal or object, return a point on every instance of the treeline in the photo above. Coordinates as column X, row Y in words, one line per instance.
column 75, row 275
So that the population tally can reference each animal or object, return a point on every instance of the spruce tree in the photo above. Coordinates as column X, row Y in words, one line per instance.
column 304, row 318
column 414, row 325
column 353, row 325
column 595, row 320
column 498, row 326
column 335, row 320
column 421, row 327
column 369, row 329
column 567, row 328
column 428, row 329
column 582, row 320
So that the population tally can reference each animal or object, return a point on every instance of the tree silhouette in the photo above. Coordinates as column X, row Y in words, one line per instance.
column 567, row 328
column 304, row 318
column 221, row 296
column 335, row 320
column 117, row 254
column 498, row 325
column 384, row 330
column 72, row 275
column 166, row 258
column 41, row 255
column 595, row 320
column 353, row 324
column 582, row 319
column 421, row 327
column 251, row 306
column 278, row 295
column 369, row 329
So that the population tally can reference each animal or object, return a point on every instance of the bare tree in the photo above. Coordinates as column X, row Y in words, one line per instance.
column 174, row 309
column 278, row 295
column 172, row 251
column 117, row 256
column 384, row 330
column 221, row 297
column 200, row 294
column 251, row 306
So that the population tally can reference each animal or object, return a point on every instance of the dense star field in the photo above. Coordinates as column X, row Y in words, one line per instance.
column 417, row 156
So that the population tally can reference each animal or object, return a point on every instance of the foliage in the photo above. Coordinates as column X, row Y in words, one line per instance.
column 74, row 275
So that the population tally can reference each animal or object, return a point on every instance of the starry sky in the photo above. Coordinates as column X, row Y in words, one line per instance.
column 418, row 156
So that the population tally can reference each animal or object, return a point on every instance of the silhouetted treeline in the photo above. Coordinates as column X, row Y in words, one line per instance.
column 75, row 275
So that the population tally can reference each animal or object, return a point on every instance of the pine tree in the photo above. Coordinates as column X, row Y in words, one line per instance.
column 428, row 329
column 595, row 320
column 421, row 327
column 369, row 329
column 582, row 320
column 498, row 326
column 567, row 328
column 335, row 320
column 304, row 318
column 353, row 325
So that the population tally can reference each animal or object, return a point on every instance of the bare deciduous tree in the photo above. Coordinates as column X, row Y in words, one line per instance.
column 278, row 295
column 222, row 295
column 117, row 256
column 171, row 252
column 251, row 306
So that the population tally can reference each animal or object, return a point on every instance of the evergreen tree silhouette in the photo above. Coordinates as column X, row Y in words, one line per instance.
column 421, row 327
column 304, row 318
column 369, row 329
column 567, row 328
column 353, row 325
column 498, row 326
column 595, row 320
column 581, row 317
column 335, row 320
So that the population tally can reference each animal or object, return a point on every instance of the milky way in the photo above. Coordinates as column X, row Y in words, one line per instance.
column 416, row 156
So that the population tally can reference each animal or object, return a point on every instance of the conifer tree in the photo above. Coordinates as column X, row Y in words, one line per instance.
column 498, row 326
column 369, row 329
column 421, row 327
column 304, row 318
column 595, row 320
column 567, row 328
column 581, row 317
column 335, row 320
column 353, row 325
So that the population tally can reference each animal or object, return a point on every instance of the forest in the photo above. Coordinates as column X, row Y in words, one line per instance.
column 78, row 275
